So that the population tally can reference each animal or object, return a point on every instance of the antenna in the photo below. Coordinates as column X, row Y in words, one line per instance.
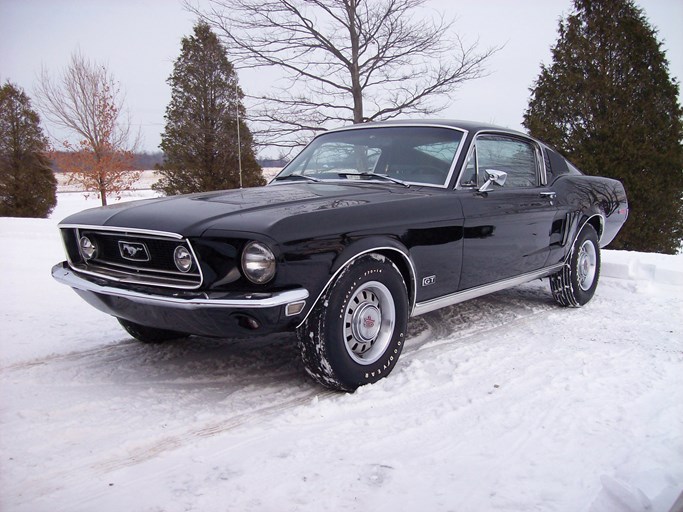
column 239, row 142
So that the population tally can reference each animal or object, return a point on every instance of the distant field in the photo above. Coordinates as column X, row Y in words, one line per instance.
column 147, row 179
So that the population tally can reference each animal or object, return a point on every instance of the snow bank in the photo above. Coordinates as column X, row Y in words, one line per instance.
column 656, row 268
column 503, row 403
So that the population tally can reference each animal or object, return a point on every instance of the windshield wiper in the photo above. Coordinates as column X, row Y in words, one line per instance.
column 297, row 176
column 373, row 175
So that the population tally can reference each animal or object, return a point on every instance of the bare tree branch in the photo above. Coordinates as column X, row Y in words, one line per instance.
column 87, row 102
column 342, row 60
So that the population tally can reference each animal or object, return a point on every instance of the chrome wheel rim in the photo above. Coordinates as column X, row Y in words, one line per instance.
column 369, row 322
column 587, row 265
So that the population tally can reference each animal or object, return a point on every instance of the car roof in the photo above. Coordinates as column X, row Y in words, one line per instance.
column 470, row 126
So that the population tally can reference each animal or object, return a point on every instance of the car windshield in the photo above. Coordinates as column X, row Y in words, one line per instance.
column 422, row 155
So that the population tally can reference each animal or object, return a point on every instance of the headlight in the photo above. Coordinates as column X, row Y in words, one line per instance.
column 88, row 248
column 258, row 263
column 182, row 258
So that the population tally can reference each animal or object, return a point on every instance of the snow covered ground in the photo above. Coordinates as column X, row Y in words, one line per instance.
column 505, row 403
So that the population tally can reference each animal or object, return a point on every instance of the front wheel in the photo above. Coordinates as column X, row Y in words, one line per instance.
column 575, row 284
column 149, row 334
column 356, row 331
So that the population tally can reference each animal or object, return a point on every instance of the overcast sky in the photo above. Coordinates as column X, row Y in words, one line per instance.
column 140, row 39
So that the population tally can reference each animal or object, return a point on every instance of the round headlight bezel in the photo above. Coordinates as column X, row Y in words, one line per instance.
column 183, row 259
column 258, row 262
column 87, row 248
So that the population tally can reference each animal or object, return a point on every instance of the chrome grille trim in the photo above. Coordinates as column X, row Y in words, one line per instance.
column 139, row 275
column 133, row 231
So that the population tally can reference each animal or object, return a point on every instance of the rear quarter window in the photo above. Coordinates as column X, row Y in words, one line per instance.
column 556, row 165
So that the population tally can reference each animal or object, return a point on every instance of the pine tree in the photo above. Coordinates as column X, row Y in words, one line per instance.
column 200, row 140
column 28, row 187
column 609, row 104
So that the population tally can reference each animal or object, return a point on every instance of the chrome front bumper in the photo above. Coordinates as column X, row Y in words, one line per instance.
column 216, row 314
column 183, row 300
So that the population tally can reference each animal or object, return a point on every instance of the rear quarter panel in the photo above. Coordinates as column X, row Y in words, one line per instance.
column 583, row 198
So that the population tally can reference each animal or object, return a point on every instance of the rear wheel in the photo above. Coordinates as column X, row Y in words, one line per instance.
column 356, row 331
column 576, row 283
column 149, row 334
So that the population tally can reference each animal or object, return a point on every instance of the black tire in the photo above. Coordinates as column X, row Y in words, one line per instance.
column 149, row 334
column 575, row 284
column 356, row 331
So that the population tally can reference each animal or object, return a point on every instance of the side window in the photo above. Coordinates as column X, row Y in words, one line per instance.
column 516, row 157
column 555, row 164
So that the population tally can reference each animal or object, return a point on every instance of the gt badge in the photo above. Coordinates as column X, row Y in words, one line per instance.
column 428, row 280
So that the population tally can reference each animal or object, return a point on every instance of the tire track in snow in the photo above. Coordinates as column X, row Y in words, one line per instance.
column 135, row 355
column 252, row 417
column 478, row 318
column 112, row 455
column 468, row 323
column 439, row 336
column 439, row 331
column 66, row 357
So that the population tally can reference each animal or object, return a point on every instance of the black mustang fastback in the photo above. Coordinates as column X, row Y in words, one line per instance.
column 368, row 226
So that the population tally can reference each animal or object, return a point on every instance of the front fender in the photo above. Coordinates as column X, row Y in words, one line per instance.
column 385, row 246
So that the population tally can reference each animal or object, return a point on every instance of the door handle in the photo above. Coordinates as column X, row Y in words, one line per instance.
column 549, row 195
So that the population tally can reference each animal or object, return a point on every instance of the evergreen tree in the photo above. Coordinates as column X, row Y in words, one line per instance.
column 200, row 138
column 608, row 103
column 28, row 187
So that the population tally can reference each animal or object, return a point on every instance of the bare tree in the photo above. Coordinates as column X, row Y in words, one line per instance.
column 343, row 60
column 86, row 101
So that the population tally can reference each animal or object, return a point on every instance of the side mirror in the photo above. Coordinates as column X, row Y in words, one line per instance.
column 493, row 176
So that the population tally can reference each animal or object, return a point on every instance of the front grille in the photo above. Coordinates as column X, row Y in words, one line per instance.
column 138, row 257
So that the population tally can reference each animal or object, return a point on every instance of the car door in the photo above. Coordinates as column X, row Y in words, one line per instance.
column 507, row 225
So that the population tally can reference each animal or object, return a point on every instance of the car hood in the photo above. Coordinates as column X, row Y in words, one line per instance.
column 257, row 209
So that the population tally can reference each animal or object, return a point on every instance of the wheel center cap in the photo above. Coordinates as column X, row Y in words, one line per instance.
column 367, row 321
column 585, row 265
